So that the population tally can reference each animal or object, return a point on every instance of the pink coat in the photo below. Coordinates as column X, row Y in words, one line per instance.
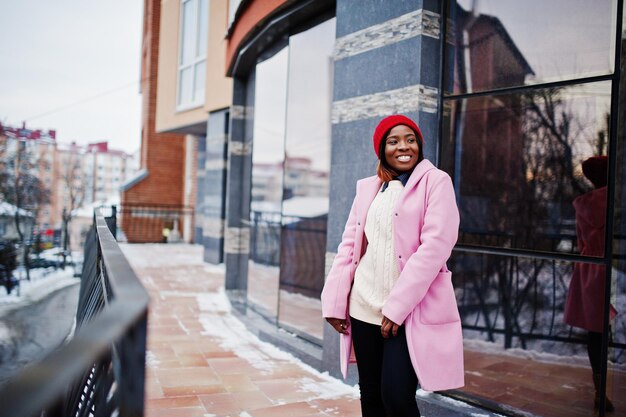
column 426, row 224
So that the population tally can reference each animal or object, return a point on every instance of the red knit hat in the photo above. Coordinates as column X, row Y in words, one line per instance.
column 389, row 123
column 595, row 169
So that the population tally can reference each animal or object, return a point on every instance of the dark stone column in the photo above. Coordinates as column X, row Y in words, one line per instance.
column 212, row 159
column 387, row 61
column 237, row 230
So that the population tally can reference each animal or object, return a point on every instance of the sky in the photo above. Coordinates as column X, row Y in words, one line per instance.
column 73, row 67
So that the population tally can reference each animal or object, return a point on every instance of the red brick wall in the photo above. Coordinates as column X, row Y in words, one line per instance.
column 162, row 154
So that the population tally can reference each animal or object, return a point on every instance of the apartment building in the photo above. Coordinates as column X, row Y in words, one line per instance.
column 183, row 86
column 35, row 152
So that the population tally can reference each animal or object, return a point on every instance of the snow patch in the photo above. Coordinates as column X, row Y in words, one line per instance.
column 5, row 332
column 233, row 335
column 41, row 284
column 329, row 388
column 8, row 210
column 214, row 302
column 151, row 359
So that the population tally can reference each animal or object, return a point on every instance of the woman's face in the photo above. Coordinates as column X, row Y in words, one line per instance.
column 402, row 148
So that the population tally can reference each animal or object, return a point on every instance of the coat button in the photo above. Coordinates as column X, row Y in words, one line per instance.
column 355, row 262
column 359, row 223
column 400, row 256
column 396, row 214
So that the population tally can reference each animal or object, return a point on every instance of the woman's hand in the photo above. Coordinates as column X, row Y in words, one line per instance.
column 341, row 325
column 388, row 326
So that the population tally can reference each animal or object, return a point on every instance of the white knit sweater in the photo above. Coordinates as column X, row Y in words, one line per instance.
column 378, row 269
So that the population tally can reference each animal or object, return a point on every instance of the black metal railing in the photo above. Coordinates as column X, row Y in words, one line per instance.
column 145, row 223
column 520, row 301
column 101, row 370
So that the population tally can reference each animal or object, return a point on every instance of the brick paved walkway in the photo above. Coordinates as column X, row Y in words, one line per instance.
column 202, row 362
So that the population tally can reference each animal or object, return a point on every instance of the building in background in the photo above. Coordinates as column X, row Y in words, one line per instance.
column 106, row 170
column 35, row 153
column 87, row 177
column 182, row 84
column 73, row 175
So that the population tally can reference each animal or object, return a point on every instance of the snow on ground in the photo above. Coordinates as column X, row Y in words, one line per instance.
column 42, row 283
column 233, row 335
column 184, row 253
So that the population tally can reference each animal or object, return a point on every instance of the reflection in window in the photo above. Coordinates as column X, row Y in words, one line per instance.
column 510, row 302
column 516, row 162
column 306, row 183
column 267, row 182
column 490, row 45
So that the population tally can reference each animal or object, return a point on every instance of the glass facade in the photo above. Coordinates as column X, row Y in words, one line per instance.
column 616, row 377
column 570, row 39
column 290, row 174
column 527, row 136
column 516, row 159
column 306, row 176
column 267, row 182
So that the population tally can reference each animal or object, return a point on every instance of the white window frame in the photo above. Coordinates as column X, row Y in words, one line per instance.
column 197, row 59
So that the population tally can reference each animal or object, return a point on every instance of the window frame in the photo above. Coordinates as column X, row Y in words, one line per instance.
column 198, row 57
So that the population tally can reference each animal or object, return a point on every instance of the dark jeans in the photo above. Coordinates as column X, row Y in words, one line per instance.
column 387, row 379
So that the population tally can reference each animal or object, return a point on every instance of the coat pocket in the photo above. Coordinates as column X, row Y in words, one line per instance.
column 439, row 304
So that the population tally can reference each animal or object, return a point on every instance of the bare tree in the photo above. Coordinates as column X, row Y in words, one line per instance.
column 74, row 185
column 21, row 188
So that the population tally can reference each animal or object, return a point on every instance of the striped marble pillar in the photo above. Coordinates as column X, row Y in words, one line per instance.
column 237, row 230
column 386, row 61
column 212, row 159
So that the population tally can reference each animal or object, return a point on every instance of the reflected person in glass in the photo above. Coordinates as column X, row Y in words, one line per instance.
column 584, row 307
column 389, row 293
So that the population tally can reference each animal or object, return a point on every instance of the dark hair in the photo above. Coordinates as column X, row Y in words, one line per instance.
column 384, row 171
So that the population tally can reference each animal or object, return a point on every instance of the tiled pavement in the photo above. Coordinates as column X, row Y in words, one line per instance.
column 203, row 362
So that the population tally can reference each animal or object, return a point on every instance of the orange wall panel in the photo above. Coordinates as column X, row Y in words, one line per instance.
column 255, row 12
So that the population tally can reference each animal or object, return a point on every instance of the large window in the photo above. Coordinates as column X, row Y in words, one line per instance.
column 495, row 48
column 290, row 174
column 194, row 25
column 268, row 154
column 528, row 110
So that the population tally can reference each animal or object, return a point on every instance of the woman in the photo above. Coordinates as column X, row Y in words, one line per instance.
column 584, row 307
column 389, row 292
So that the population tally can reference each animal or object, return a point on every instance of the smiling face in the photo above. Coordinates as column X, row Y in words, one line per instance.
column 402, row 149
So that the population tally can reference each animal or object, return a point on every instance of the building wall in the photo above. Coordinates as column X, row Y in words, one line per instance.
column 217, row 85
column 211, row 183
column 249, row 21
column 163, row 154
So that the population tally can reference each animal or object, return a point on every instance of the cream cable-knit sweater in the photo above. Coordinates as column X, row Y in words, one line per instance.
column 378, row 270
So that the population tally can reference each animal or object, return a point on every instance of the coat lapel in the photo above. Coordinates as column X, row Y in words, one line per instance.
column 422, row 168
column 369, row 189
